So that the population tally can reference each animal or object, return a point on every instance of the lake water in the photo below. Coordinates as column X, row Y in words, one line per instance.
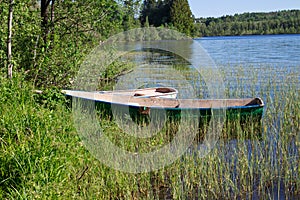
column 265, row 66
column 256, row 60
column 245, row 64
column 276, row 50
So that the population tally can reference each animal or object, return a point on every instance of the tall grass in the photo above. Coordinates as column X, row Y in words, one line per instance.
column 42, row 157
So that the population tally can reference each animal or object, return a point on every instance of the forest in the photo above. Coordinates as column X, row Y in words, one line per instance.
column 46, row 40
column 280, row 22
column 49, row 38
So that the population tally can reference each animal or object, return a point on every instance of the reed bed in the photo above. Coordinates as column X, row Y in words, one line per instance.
column 42, row 156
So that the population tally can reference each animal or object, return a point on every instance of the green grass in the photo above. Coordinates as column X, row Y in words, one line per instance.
column 42, row 156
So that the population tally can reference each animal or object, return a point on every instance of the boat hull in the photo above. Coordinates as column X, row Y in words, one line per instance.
column 245, row 113
column 248, row 117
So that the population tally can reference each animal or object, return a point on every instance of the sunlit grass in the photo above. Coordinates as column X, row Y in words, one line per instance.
column 41, row 155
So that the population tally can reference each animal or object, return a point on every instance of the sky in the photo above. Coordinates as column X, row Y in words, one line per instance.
column 218, row 8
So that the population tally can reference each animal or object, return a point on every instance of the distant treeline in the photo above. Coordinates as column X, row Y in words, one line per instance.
column 280, row 22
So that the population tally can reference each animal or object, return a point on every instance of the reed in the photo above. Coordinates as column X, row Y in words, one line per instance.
column 42, row 156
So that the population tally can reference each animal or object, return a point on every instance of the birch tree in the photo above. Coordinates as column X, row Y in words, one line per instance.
column 9, row 39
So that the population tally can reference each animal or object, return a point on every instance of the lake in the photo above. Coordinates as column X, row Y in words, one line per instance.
column 267, row 66
column 278, row 50
column 263, row 60
column 244, row 66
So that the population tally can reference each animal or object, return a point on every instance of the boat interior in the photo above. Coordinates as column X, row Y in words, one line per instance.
column 164, row 102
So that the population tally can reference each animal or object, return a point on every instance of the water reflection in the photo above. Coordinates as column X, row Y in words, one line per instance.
column 249, row 68
column 156, row 67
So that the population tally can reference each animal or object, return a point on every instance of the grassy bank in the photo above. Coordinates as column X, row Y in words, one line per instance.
column 42, row 157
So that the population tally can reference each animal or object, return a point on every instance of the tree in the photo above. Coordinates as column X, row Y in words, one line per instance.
column 51, row 37
column 171, row 13
column 182, row 17
column 158, row 12
column 148, row 8
column 79, row 26
column 9, row 39
column 252, row 23
column 130, row 8
column 45, row 18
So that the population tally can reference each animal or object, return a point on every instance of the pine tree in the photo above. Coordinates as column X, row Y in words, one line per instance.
column 182, row 17
column 157, row 11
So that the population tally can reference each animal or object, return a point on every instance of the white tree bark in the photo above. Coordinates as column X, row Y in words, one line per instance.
column 9, row 40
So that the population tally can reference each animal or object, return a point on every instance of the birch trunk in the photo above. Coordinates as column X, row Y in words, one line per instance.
column 9, row 40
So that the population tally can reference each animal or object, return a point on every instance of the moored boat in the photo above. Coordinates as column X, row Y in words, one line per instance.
column 187, row 113
column 143, row 106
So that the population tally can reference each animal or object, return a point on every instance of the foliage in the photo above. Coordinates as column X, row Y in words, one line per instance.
column 171, row 13
column 25, row 31
column 157, row 12
column 42, row 157
column 280, row 22
column 79, row 26
column 74, row 29
column 130, row 12
column 182, row 17
column 32, row 154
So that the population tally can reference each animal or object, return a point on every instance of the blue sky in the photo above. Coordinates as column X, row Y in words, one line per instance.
column 217, row 8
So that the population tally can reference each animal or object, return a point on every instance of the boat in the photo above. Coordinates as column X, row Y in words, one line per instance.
column 170, row 112
column 174, row 107
column 159, row 92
